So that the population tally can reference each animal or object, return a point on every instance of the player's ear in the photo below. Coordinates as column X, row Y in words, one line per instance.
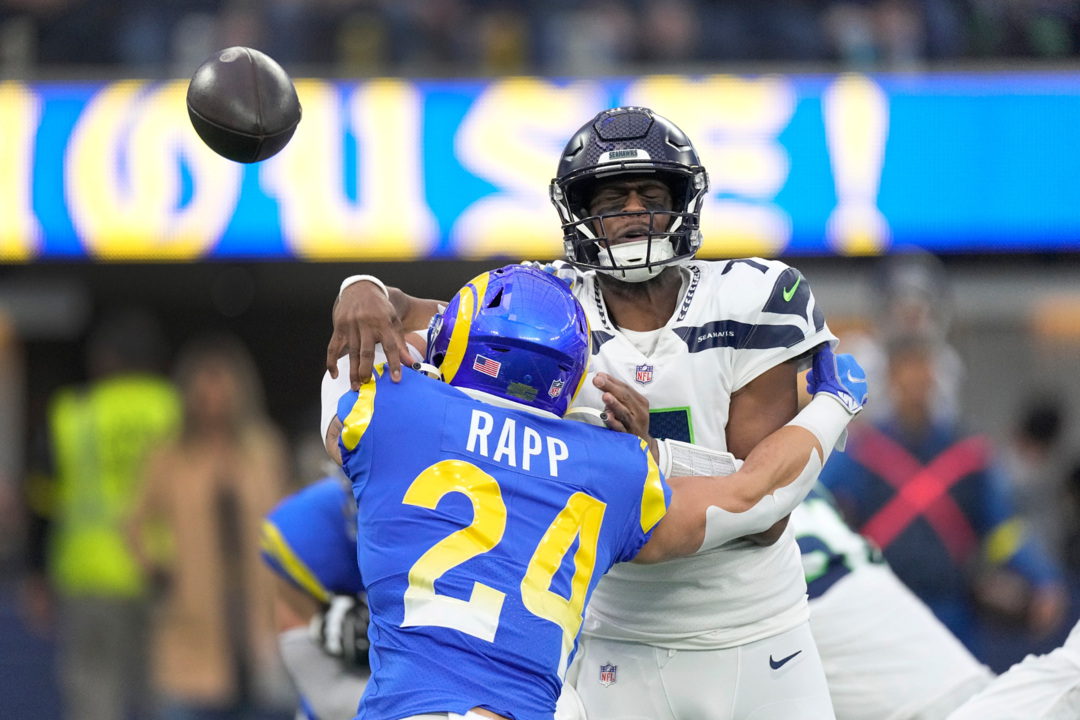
column 331, row 440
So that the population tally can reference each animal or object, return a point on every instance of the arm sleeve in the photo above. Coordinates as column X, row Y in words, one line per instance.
column 328, row 687
column 283, row 560
column 722, row 526
column 332, row 389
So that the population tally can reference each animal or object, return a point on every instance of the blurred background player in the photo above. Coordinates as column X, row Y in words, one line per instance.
column 517, row 340
column 1044, row 687
column 910, row 294
column 1034, row 462
column 309, row 541
column 713, row 349
column 933, row 499
column 206, row 492
column 99, row 435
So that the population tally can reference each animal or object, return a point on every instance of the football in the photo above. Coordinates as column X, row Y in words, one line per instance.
column 243, row 105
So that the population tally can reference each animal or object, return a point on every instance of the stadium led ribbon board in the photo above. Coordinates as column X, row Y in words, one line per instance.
column 399, row 170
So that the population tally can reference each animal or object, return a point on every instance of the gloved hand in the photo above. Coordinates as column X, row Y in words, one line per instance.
column 839, row 376
column 341, row 629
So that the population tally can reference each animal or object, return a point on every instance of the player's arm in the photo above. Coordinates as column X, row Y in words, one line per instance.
column 332, row 434
column 774, row 392
column 706, row 512
column 334, row 387
column 760, row 407
column 329, row 685
column 367, row 313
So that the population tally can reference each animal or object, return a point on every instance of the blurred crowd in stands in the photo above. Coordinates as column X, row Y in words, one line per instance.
column 562, row 37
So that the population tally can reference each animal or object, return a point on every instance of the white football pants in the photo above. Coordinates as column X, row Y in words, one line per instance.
column 886, row 656
column 1042, row 687
column 779, row 678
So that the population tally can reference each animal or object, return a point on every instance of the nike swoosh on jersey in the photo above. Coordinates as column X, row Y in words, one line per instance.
column 777, row 664
column 788, row 294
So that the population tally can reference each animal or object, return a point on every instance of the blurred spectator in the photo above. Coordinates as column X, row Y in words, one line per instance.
column 1072, row 520
column 910, row 295
column 937, row 505
column 669, row 31
column 465, row 37
column 593, row 38
column 1037, row 473
column 81, row 495
column 196, row 529
column 1030, row 28
column 895, row 34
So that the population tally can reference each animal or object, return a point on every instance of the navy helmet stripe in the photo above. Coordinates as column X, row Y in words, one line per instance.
column 744, row 336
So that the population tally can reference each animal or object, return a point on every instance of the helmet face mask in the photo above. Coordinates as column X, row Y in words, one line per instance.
column 516, row 333
column 620, row 144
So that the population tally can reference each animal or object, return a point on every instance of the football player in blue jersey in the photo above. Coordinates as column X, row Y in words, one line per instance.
column 485, row 520
column 309, row 541
column 704, row 352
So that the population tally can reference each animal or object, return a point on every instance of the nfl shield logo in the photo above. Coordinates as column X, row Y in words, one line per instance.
column 607, row 675
column 556, row 388
column 644, row 374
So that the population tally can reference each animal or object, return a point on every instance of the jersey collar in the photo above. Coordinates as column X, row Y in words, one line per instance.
column 504, row 403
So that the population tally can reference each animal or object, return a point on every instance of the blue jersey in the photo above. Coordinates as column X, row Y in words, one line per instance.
column 482, row 532
column 308, row 540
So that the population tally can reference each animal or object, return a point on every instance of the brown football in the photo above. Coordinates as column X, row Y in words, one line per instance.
column 243, row 105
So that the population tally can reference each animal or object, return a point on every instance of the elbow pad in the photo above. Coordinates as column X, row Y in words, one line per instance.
column 722, row 526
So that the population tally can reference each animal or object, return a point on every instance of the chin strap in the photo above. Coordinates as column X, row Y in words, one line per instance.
column 430, row 370
column 587, row 415
column 634, row 253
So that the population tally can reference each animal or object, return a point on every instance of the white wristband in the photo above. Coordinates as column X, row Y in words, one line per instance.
column 361, row 278
column 828, row 419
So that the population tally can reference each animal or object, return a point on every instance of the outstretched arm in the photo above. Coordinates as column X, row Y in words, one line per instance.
column 365, row 314
column 706, row 512
column 760, row 408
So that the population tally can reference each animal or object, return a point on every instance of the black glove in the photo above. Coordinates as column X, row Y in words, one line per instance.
column 341, row 629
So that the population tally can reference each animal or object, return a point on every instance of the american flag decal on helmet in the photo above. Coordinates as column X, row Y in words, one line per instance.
column 607, row 674
column 487, row 366
column 643, row 374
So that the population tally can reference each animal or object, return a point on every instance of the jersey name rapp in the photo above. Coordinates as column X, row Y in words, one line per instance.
column 514, row 444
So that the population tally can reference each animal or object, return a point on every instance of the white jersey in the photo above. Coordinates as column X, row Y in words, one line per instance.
column 1042, row 687
column 736, row 319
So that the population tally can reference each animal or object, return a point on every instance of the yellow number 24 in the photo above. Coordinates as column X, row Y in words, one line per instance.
column 479, row 615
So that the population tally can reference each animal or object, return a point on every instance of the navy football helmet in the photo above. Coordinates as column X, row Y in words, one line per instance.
column 517, row 333
column 630, row 141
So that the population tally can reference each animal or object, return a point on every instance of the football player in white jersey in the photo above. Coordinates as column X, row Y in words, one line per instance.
column 1041, row 687
column 707, row 353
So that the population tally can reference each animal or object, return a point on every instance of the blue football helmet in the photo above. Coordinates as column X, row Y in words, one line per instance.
column 517, row 333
